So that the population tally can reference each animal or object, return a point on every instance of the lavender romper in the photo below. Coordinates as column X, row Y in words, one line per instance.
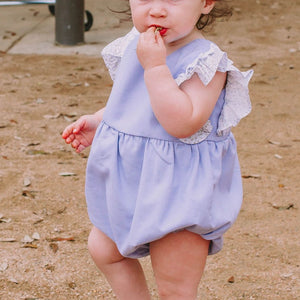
column 143, row 183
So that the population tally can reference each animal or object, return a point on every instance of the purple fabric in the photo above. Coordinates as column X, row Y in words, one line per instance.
column 142, row 183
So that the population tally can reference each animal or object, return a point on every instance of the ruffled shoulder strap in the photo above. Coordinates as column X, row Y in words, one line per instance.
column 113, row 52
column 237, row 103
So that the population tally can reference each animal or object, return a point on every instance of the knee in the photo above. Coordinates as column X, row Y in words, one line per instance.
column 102, row 249
column 178, row 291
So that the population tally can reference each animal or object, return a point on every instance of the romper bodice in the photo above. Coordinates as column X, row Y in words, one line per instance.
column 129, row 110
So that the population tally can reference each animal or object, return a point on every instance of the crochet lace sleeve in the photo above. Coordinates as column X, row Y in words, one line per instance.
column 114, row 51
column 237, row 103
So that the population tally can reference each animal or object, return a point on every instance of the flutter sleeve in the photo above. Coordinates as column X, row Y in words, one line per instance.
column 113, row 52
column 237, row 103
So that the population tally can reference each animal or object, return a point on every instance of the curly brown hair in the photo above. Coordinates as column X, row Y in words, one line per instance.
column 220, row 10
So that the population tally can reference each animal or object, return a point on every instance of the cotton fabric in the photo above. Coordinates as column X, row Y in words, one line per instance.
column 141, row 182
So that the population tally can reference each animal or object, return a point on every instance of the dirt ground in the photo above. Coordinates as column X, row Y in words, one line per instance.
column 43, row 220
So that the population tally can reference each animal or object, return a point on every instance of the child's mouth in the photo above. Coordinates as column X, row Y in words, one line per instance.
column 160, row 29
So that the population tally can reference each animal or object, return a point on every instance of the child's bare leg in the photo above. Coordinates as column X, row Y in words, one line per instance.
column 124, row 275
column 178, row 261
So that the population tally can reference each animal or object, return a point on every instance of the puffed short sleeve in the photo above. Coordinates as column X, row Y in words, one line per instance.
column 237, row 103
column 113, row 52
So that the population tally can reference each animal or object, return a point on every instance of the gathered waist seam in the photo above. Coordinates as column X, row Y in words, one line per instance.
column 176, row 140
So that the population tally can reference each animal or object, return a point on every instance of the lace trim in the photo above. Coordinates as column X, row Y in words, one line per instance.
column 205, row 65
column 114, row 51
column 200, row 135
column 237, row 103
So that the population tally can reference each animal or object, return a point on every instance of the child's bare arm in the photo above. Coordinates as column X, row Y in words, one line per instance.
column 80, row 134
column 183, row 110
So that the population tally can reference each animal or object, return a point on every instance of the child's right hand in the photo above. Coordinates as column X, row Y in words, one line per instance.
column 80, row 134
column 151, row 50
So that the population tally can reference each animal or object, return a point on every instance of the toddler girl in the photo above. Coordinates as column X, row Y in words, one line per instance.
column 163, row 176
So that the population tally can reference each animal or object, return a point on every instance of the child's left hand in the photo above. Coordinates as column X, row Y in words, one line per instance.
column 151, row 50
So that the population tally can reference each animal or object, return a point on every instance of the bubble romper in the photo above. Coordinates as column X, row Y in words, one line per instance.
column 141, row 182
